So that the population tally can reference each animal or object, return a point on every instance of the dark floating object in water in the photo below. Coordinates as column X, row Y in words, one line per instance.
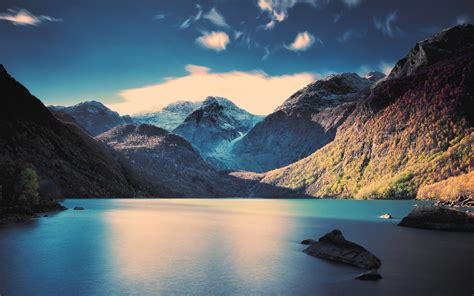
column 78, row 208
column 371, row 275
column 308, row 241
column 333, row 246
column 439, row 218
column 45, row 216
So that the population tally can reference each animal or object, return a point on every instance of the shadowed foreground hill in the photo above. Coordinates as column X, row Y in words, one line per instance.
column 68, row 162
column 413, row 129
column 165, row 160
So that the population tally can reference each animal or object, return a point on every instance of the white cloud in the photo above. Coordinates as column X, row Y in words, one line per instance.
column 238, row 34
column 216, row 18
column 303, row 41
column 23, row 17
column 387, row 26
column 215, row 40
column 385, row 67
column 159, row 16
column 352, row 3
column 462, row 20
column 277, row 10
column 254, row 91
column 195, row 69
column 194, row 18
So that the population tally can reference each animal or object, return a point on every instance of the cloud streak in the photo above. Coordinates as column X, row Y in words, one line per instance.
column 194, row 18
column 23, row 17
column 215, row 17
column 387, row 25
column 217, row 41
column 277, row 10
column 254, row 91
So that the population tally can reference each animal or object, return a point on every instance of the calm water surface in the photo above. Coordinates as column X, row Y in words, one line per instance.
column 226, row 247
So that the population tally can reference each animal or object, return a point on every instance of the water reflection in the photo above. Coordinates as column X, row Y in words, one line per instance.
column 225, row 247
column 164, row 243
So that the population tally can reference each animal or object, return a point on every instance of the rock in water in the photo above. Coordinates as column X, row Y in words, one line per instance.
column 333, row 246
column 439, row 218
column 308, row 241
column 78, row 208
column 372, row 275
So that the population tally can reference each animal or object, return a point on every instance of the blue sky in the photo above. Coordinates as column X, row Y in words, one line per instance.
column 70, row 51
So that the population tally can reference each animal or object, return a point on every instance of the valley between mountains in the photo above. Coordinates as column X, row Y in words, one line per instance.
column 344, row 136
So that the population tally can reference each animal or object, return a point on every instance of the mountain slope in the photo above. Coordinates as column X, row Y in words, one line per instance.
column 305, row 122
column 93, row 116
column 216, row 123
column 412, row 129
column 69, row 163
column 169, row 117
column 166, row 160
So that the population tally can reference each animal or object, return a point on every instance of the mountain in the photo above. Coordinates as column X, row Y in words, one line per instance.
column 412, row 129
column 169, row 117
column 67, row 161
column 214, row 125
column 305, row 122
column 451, row 42
column 93, row 116
column 166, row 160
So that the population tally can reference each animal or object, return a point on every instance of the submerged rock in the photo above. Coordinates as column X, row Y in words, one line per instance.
column 371, row 275
column 308, row 241
column 333, row 246
column 439, row 218
column 386, row 216
column 78, row 208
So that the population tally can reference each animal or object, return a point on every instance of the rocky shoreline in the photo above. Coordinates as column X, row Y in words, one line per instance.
column 7, row 218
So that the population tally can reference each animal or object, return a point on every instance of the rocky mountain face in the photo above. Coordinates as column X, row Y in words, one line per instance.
column 93, row 116
column 169, row 117
column 167, row 164
column 214, row 125
column 305, row 122
column 69, row 163
column 451, row 42
column 412, row 129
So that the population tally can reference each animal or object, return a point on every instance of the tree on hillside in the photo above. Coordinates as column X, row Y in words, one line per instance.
column 27, row 189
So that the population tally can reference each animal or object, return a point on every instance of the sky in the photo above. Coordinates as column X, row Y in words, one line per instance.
column 139, row 56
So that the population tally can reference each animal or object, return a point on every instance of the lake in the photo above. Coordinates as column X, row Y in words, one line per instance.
column 226, row 247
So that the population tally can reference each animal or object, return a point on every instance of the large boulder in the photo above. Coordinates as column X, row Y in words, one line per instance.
column 439, row 218
column 333, row 246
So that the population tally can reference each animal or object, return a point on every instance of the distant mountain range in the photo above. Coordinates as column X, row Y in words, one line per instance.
column 93, row 116
column 170, row 116
column 213, row 126
column 341, row 136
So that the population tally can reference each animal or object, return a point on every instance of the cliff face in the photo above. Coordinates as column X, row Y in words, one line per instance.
column 412, row 129
column 69, row 162
column 305, row 122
